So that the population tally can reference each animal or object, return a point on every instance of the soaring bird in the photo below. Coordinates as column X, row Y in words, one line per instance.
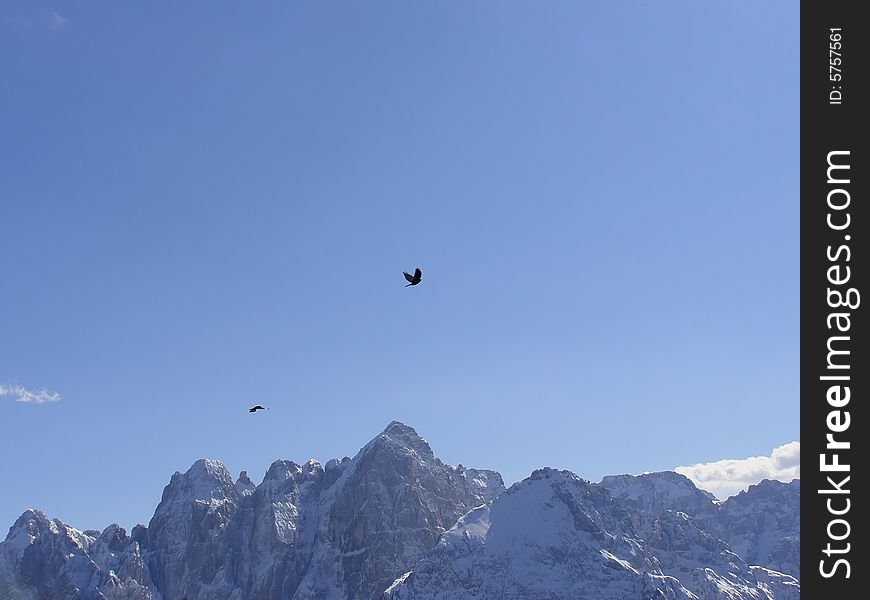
column 256, row 408
column 415, row 278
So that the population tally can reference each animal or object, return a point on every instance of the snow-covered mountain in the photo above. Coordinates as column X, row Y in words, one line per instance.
column 345, row 530
column 394, row 517
column 46, row 559
column 762, row 524
column 554, row 535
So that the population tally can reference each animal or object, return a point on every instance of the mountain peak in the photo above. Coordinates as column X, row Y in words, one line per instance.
column 406, row 437
column 283, row 469
column 205, row 480
column 663, row 484
column 244, row 485
column 31, row 514
column 397, row 428
column 27, row 527
column 209, row 469
column 115, row 537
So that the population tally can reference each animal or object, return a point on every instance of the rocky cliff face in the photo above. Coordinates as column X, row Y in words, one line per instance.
column 306, row 532
column 762, row 524
column 651, row 494
column 394, row 517
column 388, row 509
column 555, row 535
column 44, row 558
column 552, row 535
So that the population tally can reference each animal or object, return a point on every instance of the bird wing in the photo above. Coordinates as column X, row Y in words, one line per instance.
column 418, row 273
column 409, row 277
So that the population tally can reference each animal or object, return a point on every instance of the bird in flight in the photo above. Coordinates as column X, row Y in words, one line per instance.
column 256, row 408
column 415, row 278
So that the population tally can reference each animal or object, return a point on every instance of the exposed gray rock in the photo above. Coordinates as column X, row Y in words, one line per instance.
column 649, row 495
column 395, row 517
column 762, row 524
column 555, row 535
column 43, row 558
column 305, row 532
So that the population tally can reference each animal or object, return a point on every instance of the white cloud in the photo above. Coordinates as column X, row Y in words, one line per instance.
column 728, row 477
column 22, row 394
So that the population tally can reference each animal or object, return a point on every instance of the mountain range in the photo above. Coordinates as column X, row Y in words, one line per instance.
column 396, row 523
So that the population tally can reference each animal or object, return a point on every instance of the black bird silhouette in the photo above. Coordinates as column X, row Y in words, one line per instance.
column 256, row 408
column 415, row 278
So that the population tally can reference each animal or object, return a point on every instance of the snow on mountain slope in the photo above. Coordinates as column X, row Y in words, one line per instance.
column 184, row 536
column 43, row 558
column 306, row 532
column 394, row 516
column 651, row 494
column 762, row 525
column 707, row 566
column 388, row 509
column 552, row 535
column 555, row 535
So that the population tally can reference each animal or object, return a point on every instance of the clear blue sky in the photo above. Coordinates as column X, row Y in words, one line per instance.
column 207, row 205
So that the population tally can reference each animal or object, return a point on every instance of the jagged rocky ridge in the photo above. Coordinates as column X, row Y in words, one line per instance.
column 554, row 535
column 344, row 530
column 762, row 524
column 396, row 518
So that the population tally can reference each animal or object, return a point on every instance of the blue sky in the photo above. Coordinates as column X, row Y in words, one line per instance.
column 207, row 205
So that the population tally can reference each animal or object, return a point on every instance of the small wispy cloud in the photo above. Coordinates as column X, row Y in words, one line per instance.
column 53, row 20
column 725, row 478
column 50, row 20
column 21, row 394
